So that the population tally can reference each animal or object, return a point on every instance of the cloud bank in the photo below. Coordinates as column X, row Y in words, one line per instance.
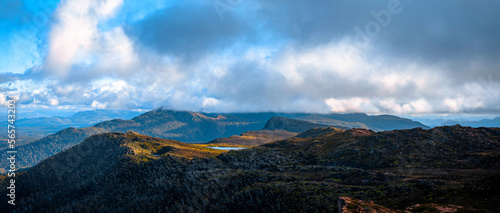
column 387, row 56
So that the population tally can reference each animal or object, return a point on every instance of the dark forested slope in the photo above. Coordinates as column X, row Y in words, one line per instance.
column 446, row 167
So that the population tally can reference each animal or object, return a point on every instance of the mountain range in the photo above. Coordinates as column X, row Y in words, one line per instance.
column 197, row 127
column 495, row 122
column 322, row 169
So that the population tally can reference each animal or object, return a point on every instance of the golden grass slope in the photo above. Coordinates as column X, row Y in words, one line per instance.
column 145, row 147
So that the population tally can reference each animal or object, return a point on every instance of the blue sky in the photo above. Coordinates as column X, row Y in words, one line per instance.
column 386, row 56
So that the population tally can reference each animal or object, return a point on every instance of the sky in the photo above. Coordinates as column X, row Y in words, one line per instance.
column 398, row 57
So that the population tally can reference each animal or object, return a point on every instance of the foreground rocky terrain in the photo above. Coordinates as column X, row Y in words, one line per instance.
column 320, row 170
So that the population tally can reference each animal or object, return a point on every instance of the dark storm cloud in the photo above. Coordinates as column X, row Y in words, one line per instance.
column 458, row 41
column 433, row 31
column 437, row 30
column 189, row 31
column 449, row 32
column 197, row 28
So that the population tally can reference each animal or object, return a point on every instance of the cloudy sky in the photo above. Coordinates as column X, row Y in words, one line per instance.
column 386, row 56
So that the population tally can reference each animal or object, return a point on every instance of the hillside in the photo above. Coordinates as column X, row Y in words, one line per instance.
column 377, row 122
column 441, row 147
column 416, row 170
column 332, row 122
column 277, row 128
column 253, row 138
column 182, row 125
column 319, row 132
column 291, row 125
column 31, row 154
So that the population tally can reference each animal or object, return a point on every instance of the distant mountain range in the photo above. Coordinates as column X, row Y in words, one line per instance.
column 495, row 122
column 322, row 169
column 197, row 127
column 30, row 129
column 79, row 119
column 482, row 123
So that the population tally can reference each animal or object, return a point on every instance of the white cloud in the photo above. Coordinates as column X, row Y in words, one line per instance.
column 355, row 104
column 3, row 99
column 109, row 85
column 53, row 102
column 107, row 9
column 209, row 102
column 75, row 39
column 98, row 105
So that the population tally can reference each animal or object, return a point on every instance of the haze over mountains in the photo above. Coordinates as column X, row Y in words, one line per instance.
column 30, row 129
column 463, row 120
column 495, row 122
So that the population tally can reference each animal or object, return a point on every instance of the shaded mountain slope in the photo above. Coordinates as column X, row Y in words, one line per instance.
column 347, row 121
column 447, row 147
column 377, row 122
column 332, row 122
column 98, row 158
column 32, row 153
column 291, row 125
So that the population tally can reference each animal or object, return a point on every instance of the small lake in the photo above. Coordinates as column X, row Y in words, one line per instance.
column 227, row 148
